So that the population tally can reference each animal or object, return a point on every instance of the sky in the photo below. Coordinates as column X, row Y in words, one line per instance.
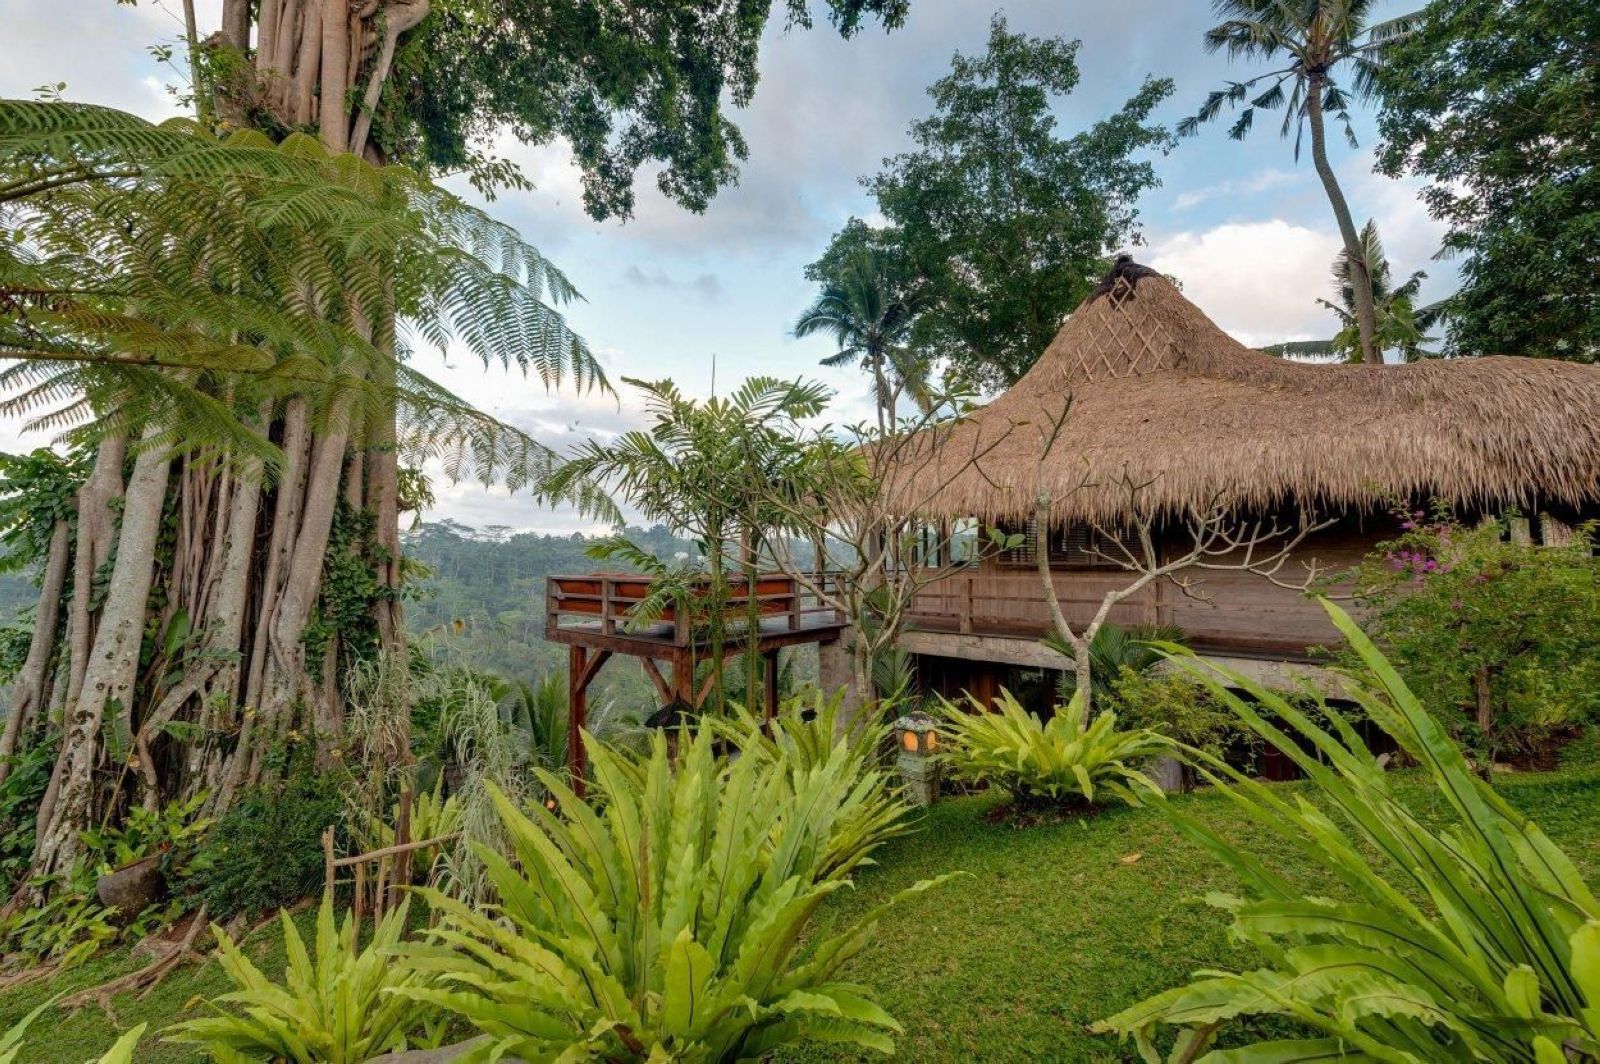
column 1244, row 227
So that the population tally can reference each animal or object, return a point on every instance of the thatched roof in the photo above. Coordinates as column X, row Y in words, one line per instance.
column 1160, row 394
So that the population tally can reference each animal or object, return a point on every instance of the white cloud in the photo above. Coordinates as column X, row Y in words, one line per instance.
column 1258, row 280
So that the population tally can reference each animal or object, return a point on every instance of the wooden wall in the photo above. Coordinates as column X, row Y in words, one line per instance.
column 1225, row 612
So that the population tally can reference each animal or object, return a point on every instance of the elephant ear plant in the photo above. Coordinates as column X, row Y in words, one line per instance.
column 665, row 923
column 1476, row 940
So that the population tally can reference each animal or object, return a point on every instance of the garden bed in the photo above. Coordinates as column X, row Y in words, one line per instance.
column 1057, row 925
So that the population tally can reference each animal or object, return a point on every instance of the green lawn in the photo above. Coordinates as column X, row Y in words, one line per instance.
column 1054, row 927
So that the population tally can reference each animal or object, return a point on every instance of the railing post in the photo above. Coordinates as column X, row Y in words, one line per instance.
column 965, row 606
column 608, row 623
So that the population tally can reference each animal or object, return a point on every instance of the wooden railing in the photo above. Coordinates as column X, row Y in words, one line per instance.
column 609, row 603
column 1240, row 614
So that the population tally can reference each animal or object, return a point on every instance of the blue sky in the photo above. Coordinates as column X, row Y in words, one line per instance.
column 1245, row 228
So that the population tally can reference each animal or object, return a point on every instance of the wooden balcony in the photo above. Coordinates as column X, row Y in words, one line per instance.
column 1240, row 614
column 599, row 610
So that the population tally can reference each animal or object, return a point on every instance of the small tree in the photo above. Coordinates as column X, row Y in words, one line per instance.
column 848, row 495
column 1502, row 634
column 1153, row 545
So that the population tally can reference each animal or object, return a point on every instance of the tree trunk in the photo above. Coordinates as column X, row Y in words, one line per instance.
column 113, row 661
column 1360, row 274
column 33, row 681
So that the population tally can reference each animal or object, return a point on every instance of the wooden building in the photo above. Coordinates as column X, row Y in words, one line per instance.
column 1157, row 395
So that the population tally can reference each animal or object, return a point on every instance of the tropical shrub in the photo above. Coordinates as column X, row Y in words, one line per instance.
column 1473, row 940
column 812, row 732
column 266, row 851
column 341, row 1006
column 1058, row 761
column 174, row 832
column 433, row 816
column 1177, row 707
column 1113, row 651
column 1501, row 637
column 67, row 928
column 667, row 923
column 20, row 796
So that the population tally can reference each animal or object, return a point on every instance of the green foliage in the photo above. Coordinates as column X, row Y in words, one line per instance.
column 626, row 84
column 1059, row 760
column 1113, row 650
column 1497, row 965
column 667, row 923
column 1401, row 324
column 68, row 928
column 340, row 1005
column 1177, row 707
column 812, row 733
column 161, row 251
column 869, row 305
column 266, row 852
column 37, row 490
column 1492, row 103
column 433, row 816
column 1004, row 223
column 175, row 832
column 349, row 592
column 20, row 795
column 1502, row 638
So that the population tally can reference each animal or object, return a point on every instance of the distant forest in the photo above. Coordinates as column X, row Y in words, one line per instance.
column 481, row 599
column 475, row 598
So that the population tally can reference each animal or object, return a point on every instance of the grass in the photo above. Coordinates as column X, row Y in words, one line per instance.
column 1054, row 926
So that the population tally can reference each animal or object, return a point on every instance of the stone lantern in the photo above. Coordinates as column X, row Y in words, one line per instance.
column 917, row 739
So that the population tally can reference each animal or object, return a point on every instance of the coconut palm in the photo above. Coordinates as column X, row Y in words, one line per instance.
column 869, row 313
column 1318, row 39
column 1402, row 325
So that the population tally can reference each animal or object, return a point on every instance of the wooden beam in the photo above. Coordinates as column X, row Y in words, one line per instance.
column 769, row 676
column 578, row 677
column 653, row 671
column 599, row 658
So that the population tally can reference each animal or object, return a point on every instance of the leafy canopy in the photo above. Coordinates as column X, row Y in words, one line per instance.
column 1005, row 223
column 169, row 278
column 626, row 83
column 1494, row 103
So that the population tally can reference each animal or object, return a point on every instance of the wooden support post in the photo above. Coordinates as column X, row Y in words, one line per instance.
column 769, row 675
column 327, row 861
column 577, row 713
column 402, row 861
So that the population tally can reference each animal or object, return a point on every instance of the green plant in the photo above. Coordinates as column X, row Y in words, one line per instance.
column 666, row 924
column 175, row 832
column 122, row 1051
column 814, row 733
column 1177, row 707
column 1113, row 650
column 266, row 852
column 20, row 795
column 433, row 816
column 11, row 1040
column 1058, row 760
column 1473, row 940
column 1502, row 636
column 341, row 1006
column 67, row 928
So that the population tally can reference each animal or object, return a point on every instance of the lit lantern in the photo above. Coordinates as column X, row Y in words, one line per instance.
column 917, row 736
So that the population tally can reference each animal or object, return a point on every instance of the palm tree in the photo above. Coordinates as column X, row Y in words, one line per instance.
column 1401, row 325
column 869, row 312
column 1317, row 38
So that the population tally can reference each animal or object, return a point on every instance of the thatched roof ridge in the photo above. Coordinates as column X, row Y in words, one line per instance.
column 1161, row 395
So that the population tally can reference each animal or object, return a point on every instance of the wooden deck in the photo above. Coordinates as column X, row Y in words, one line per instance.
column 594, row 616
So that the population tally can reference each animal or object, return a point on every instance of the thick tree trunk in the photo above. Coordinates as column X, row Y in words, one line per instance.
column 33, row 682
column 1360, row 273
column 114, row 659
